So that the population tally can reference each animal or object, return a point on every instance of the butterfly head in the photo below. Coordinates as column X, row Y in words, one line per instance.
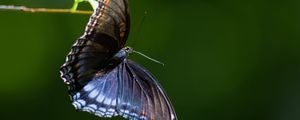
column 122, row 54
column 128, row 50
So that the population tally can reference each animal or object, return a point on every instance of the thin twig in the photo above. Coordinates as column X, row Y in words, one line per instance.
column 45, row 10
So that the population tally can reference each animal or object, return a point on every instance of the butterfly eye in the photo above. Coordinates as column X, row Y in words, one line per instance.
column 128, row 49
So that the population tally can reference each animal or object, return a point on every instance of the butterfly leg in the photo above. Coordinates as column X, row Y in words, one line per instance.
column 75, row 5
column 93, row 3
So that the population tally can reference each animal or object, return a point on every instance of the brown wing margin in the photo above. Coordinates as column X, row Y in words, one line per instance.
column 112, row 18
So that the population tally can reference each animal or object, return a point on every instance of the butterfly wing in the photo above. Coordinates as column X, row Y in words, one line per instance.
column 86, row 57
column 129, row 91
column 112, row 18
column 148, row 98
column 100, row 95
column 105, row 35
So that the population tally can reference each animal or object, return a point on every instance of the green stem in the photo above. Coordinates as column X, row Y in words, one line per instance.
column 75, row 5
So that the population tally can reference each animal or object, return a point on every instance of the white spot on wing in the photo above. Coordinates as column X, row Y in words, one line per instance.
column 88, row 87
column 114, row 102
column 126, row 111
column 100, row 98
column 99, row 113
column 93, row 106
column 122, row 110
column 107, row 101
column 143, row 117
column 88, row 109
column 94, row 93
column 172, row 117
column 111, row 110
column 76, row 96
column 102, row 109
column 134, row 114
column 76, row 105
column 82, row 102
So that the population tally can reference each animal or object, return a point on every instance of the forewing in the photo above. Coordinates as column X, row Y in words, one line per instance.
column 111, row 17
column 105, row 35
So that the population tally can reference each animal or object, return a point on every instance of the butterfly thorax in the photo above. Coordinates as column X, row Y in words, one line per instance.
column 117, row 58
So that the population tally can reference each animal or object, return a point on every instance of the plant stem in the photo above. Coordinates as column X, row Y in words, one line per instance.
column 45, row 10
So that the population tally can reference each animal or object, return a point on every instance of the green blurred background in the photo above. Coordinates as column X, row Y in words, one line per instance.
column 225, row 59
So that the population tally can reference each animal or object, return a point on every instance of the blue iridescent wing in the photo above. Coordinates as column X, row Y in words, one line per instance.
column 129, row 91
column 99, row 96
column 149, row 99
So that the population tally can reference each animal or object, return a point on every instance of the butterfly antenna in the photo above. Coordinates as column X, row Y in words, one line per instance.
column 139, row 27
column 149, row 57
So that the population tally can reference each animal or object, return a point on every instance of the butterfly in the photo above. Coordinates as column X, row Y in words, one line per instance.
column 102, row 80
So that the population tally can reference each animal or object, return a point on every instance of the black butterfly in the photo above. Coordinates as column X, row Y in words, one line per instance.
column 102, row 80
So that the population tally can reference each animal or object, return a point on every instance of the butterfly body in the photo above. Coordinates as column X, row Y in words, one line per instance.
column 101, row 78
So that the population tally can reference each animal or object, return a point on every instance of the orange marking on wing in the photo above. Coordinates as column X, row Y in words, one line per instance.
column 104, row 9
column 152, row 117
column 144, row 113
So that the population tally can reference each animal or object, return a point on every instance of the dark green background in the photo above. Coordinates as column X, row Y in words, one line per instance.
column 225, row 59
